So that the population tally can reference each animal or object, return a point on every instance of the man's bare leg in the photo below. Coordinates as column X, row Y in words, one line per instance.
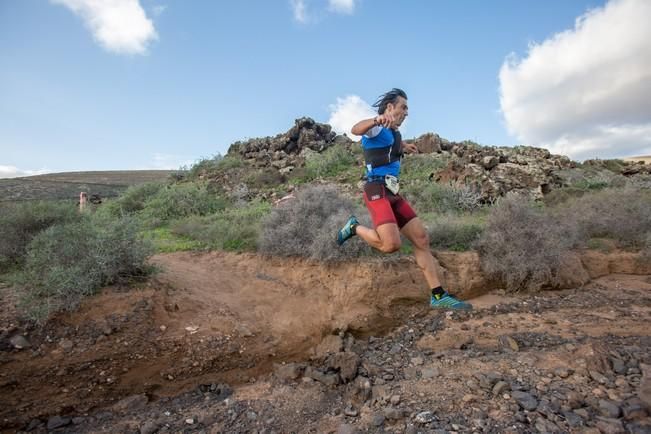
column 385, row 238
column 415, row 232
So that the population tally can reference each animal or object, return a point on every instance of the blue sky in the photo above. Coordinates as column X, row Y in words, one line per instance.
column 157, row 84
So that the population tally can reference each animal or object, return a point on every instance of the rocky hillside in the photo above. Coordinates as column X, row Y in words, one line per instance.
column 491, row 171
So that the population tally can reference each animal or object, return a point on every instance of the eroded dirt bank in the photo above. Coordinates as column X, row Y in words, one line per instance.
column 195, row 350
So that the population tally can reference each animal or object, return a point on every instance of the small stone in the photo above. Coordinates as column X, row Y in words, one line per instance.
column 634, row 409
column 417, row 361
column 425, row 417
column 345, row 428
column 525, row 400
column 378, row 419
column 546, row 426
column 288, row 371
column 33, row 425
column 429, row 373
column 189, row 421
column 598, row 377
column 149, row 427
column 573, row 419
column 500, row 387
column 583, row 413
column 19, row 342
column 66, row 345
column 609, row 409
column 250, row 415
column 562, row 372
column 163, row 328
column 57, row 422
column 574, row 399
column 395, row 400
column 618, row 366
column 508, row 343
column 392, row 413
column 350, row 411
column 468, row 398
column 610, row 426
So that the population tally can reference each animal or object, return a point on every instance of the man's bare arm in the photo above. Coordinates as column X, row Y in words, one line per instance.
column 361, row 127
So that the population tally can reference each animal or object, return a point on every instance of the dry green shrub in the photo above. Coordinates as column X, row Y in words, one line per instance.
column 330, row 163
column 523, row 247
column 236, row 228
column 623, row 215
column 19, row 223
column 180, row 200
column 453, row 232
column 134, row 199
column 306, row 226
column 67, row 262
column 442, row 198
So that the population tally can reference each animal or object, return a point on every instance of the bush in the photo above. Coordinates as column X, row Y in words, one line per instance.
column 430, row 197
column 67, row 262
column 216, row 164
column 523, row 247
column 19, row 223
column 450, row 232
column 180, row 200
column 623, row 215
column 236, row 228
column 134, row 199
column 330, row 163
column 419, row 167
column 307, row 225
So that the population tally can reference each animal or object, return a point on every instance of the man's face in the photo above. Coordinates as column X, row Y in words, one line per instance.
column 399, row 111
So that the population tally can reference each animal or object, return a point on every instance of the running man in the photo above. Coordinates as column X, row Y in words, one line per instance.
column 390, row 212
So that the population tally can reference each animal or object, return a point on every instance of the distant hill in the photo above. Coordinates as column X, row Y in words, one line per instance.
column 68, row 185
column 645, row 158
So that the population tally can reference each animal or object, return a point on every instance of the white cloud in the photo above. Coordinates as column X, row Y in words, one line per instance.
column 347, row 112
column 585, row 92
column 303, row 16
column 14, row 172
column 342, row 6
column 300, row 11
column 120, row 26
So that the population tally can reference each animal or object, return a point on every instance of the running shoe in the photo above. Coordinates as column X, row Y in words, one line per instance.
column 447, row 301
column 348, row 231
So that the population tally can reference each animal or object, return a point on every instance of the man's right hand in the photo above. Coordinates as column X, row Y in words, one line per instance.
column 386, row 120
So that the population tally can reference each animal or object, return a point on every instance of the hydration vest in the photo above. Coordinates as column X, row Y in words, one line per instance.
column 376, row 157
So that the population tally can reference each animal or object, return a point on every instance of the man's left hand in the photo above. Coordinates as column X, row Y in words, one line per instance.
column 410, row 148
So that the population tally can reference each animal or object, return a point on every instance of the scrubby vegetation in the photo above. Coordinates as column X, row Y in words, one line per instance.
column 21, row 222
column 454, row 232
column 59, row 255
column 521, row 246
column 306, row 226
column 68, row 261
column 524, row 244
column 236, row 228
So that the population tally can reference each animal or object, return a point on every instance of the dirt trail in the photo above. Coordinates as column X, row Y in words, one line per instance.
column 209, row 317
column 214, row 318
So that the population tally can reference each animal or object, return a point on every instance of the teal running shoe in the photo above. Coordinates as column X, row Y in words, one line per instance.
column 447, row 301
column 348, row 231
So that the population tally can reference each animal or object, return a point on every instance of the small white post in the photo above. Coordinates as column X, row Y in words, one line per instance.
column 83, row 200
